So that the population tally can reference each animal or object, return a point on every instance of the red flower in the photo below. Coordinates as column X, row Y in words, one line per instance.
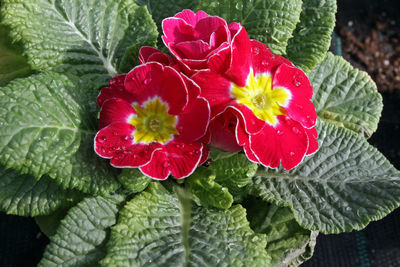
column 271, row 101
column 151, row 118
column 200, row 41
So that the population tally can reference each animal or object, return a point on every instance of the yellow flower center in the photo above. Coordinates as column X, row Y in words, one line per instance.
column 259, row 96
column 153, row 123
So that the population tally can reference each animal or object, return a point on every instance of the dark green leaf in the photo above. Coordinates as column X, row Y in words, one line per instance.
column 134, row 180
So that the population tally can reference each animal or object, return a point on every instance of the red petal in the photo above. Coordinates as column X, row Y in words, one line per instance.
column 158, row 167
column 204, row 155
column 134, row 156
column 252, row 124
column 154, row 80
column 177, row 30
column 192, row 88
column 116, row 89
column 222, row 131
column 115, row 110
column 286, row 143
column 190, row 17
column 300, row 107
column 312, row 140
column 220, row 62
column 264, row 61
column 113, row 138
column 193, row 120
column 148, row 54
column 208, row 25
column 215, row 88
column 183, row 157
column 197, row 50
column 241, row 55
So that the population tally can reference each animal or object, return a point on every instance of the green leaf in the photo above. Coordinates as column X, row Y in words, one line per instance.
column 312, row 37
column 82, row 233
column 234, row 173
column 269, row 21
column 167, row 8
column 25, row 196
column 346, row 96
column 12, row 63
column 162, row 228
column 217, row 154
column 206, row 192
column 84, row 38
column 48, row 224
column 287, row 242
column 342, row 187
column 134, row 180
column 47, row 126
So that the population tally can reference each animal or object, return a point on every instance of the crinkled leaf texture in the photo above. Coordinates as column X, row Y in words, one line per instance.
column 80, row 238
column 268, row 21
column 47, row 126
column 25, row 196
column 346, row 96
column 312, row 37
column 287, row 242
column 84, row 38
column 12, row 63
column 206, row 192
column 346, row 184
column 162, row 228
column 234, row 173
column 134, row 180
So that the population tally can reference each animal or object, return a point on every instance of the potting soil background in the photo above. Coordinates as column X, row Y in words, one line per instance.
column 370, row 38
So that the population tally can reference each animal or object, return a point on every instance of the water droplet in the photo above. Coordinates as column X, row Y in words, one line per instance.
column 291, row 153
column 113, row 148
column 279, row 132
column 190, row 153
column 196, row 152
column 147, row 81
column 135, row 156
column 296, row 81
column 165, row 164
column 179, row 146
column 103, row 150
column 101, row 139
column 256, row 50
column 126, row 138
column 115, row 133
column 264, row 63
column 295, row 130
column 120, row 156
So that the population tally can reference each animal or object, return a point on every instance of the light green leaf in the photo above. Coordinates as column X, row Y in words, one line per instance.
column 25, row 196
column 162, row 228
column 12, row 63
column 312, row 37
column 217, row 154
column 80, row 238
column 269, row 21
column 47, row 126
column 346, row 96
column 342, row 187
column 206, row 192
column 84, row 38
column 234, row 173
column 287, row 242
column 134, row 180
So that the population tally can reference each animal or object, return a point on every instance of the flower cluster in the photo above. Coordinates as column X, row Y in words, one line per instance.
column 220, row 89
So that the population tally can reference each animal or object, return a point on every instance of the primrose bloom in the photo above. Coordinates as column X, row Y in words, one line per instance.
column 264, row 104
column 199, row 41
column 152, row 119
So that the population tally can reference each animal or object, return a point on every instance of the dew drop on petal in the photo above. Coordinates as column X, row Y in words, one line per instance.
column 190, row 153
column 291, row 153
column 255, row 50
column 179, row 146
column 279, row 132
column 147, row 81
column 115, row 133
column 296, row 81
column 196, row 152
column 113, row 148
column 264, row 63
column 101, row 139
column 295, row 130
column 103, row 150
column 165, row 164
